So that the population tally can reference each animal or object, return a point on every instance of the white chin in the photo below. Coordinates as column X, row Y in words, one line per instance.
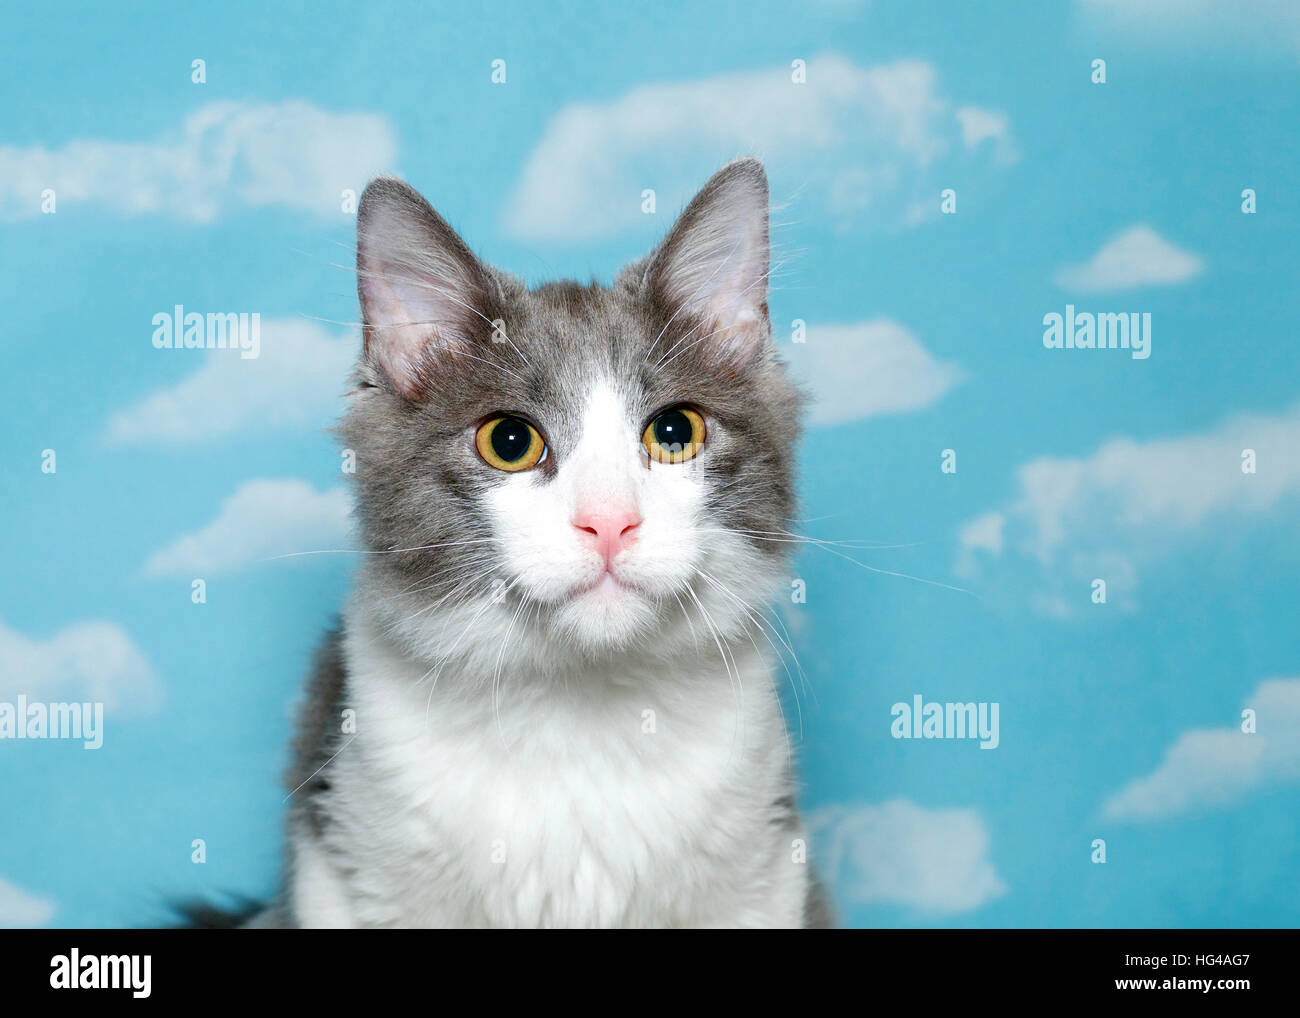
column 607, row 615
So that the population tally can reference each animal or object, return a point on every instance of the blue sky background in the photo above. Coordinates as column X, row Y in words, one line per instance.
column 1118, row 721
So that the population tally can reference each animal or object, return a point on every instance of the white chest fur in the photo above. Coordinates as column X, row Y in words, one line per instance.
column 606, row 800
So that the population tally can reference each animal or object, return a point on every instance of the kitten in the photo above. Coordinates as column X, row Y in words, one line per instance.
column 550, row 701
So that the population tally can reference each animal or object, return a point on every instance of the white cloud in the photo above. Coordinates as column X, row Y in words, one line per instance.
column 261, row 520
column 1137, row 257
column 898, row 853
column 866, row 369
column 90, row 661
column 22, row 910
column 1128, row 503
column 980, row 125
column 1217, row 767
column 223, row 156
column 295, row 383
column 1201, row 23
column 984, row 533
column 854, row 135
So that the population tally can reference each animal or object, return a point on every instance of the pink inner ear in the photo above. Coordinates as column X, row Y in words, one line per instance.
column 397, row 337
column 420, row 286
column 717, row 268
column 732, row 305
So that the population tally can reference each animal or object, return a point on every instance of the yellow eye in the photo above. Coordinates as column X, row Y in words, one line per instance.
column 674, row 436
column 509, row 443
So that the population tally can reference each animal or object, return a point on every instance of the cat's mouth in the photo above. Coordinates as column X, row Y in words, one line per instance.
column 604, row 611
column 605, row 587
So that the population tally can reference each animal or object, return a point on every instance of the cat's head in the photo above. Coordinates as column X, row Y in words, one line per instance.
column 597, row 467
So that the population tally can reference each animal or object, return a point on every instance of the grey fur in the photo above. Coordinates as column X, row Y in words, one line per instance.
column 417, row 480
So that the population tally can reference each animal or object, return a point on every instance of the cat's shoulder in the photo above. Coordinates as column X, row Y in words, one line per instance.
column 318, row 716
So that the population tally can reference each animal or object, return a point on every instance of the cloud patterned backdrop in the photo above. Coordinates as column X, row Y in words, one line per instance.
column 945, row 179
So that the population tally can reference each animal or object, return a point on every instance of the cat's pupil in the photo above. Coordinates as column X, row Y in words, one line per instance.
column 673, row 428
column 511, row 439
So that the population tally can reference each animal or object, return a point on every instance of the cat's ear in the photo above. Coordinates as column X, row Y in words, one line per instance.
column 422, row 290
column 710, row 272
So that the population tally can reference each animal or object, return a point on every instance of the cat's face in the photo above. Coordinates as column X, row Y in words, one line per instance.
column 572, row 465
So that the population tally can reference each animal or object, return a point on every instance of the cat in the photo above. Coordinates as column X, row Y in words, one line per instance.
column 551, row 700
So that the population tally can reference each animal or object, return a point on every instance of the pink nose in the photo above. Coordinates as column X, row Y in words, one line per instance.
column 607, row 530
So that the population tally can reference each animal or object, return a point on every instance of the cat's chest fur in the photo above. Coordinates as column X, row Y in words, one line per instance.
column 633, row 802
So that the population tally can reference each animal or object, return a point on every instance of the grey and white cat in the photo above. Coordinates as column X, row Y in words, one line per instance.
column 573, row 498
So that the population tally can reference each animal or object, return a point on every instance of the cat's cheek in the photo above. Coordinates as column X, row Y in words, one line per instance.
column 674, row 530
column 539, row 552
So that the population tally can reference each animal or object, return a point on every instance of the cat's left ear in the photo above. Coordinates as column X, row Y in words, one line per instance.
column 710, row 273
column 422, row 290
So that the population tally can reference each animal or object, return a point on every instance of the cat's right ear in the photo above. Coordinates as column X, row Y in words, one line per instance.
column 422, row 290
column 712, row 268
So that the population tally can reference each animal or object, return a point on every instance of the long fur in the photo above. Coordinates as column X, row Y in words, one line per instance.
column 486, row 741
